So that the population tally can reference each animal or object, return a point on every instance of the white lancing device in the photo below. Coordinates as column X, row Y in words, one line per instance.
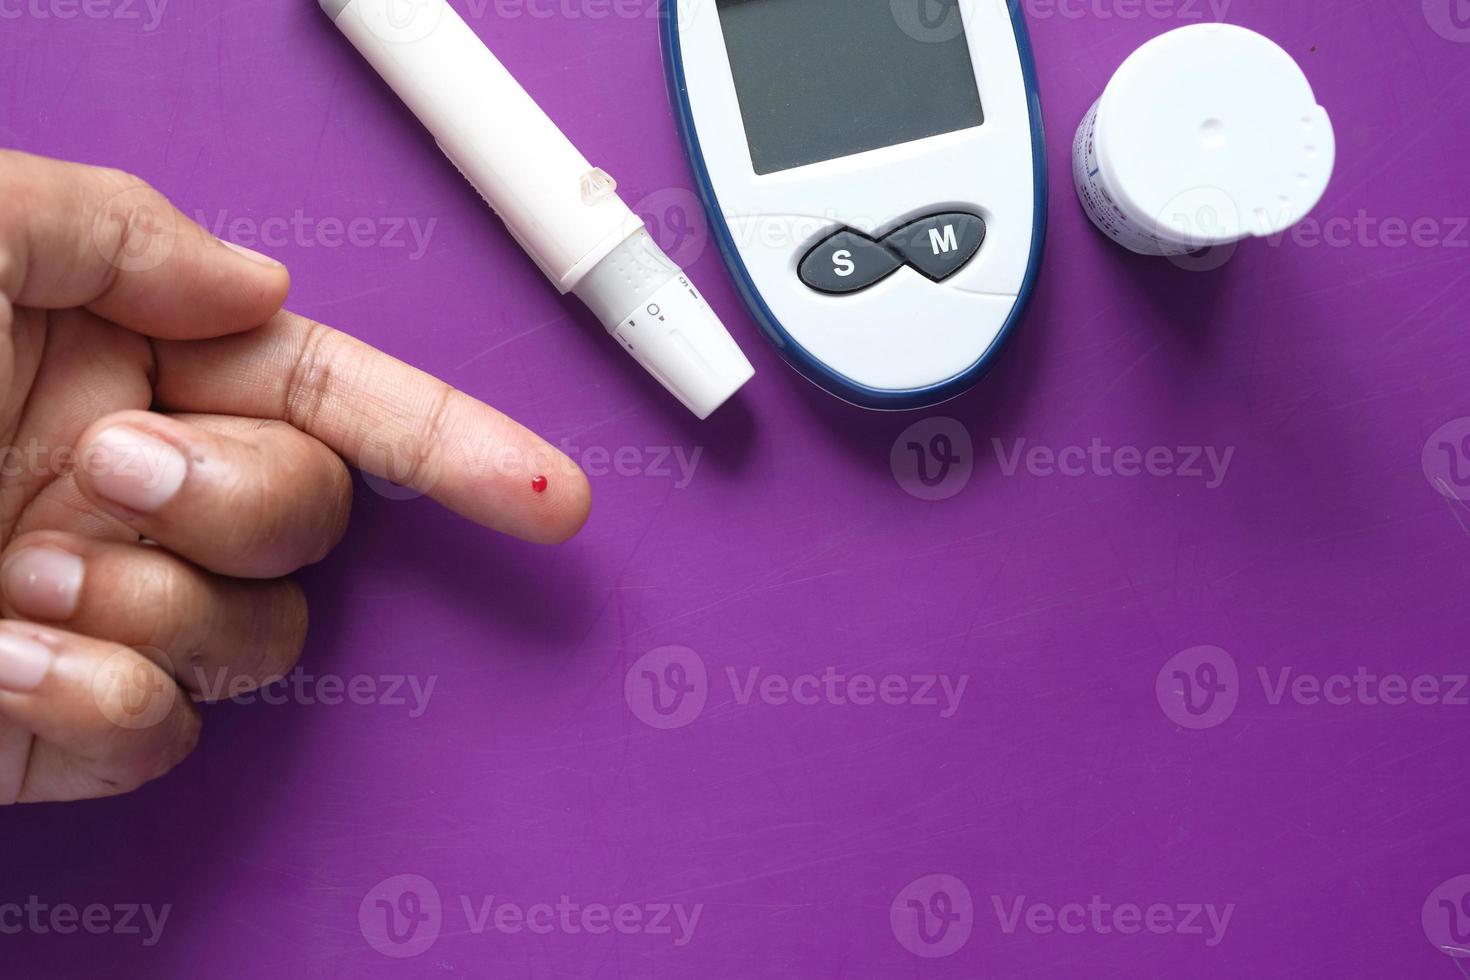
column 563, row 212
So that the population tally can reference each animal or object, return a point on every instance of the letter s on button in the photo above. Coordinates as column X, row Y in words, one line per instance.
column 845, row 262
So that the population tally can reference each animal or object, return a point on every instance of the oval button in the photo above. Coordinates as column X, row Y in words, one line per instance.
column 846, row 262
column 939, row 244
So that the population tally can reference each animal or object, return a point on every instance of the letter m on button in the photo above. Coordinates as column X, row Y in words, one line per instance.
column 936, row 245
column 943, row 241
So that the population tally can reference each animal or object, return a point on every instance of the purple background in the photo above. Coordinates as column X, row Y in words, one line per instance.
column 794, row 549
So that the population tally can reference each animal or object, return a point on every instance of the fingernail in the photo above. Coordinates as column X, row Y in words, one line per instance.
column 251, row 254
column 43, row 582
column 135, row 470
column 23, row 663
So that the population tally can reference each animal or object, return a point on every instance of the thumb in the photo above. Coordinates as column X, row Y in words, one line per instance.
column 73, row 235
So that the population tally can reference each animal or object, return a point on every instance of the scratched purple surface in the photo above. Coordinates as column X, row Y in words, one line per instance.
column 798, row 826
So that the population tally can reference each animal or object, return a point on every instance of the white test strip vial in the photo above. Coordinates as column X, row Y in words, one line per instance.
column 1206, row 135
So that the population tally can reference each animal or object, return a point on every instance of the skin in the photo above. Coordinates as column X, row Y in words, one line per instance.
column 123, row 325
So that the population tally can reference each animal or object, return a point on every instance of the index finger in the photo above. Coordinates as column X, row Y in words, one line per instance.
column 73, row 235
column 384, row 417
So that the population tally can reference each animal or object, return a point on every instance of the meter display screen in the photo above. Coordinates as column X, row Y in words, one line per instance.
column 823, row 79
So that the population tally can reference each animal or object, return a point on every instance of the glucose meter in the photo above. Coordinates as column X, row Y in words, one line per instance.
column 874, row 173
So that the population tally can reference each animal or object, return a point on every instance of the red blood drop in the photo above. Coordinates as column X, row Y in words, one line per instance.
column 538, row 484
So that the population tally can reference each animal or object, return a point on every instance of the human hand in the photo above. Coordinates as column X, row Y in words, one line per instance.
column 174, row 446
